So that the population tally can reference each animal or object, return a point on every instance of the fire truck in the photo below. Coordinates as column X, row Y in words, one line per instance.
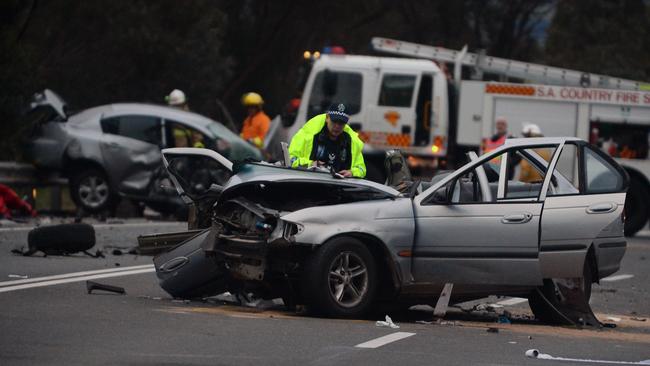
column 416, row 104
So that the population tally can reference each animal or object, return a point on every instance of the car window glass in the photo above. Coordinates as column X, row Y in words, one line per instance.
column 181, row 135
column 467, row 188
column 566, row 172
column 526, row 169
column 335, row 86
column 396, row 90
column 601, row 175
column 197, row 173
column 142, row 128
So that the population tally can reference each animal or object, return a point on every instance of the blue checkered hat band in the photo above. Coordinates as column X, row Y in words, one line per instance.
column 337, row 113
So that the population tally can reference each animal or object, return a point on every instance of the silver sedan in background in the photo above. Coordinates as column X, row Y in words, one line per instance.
column 113, row 151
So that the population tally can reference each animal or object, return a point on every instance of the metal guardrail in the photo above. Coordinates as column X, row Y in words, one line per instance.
column 26, row 175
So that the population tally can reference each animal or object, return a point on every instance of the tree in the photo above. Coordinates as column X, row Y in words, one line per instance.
column 604, row 37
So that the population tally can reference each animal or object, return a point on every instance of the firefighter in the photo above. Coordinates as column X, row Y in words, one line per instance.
column 177, row 99
column 528, row 173
column 327, row 140
column 257, row 123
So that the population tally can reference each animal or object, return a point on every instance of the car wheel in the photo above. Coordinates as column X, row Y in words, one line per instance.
column 543, row 310
column 636, row 208
column 91, row 191
column 61, row 239
column 340, row 279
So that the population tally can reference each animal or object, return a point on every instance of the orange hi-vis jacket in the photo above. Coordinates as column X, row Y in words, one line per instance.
column 255, row 127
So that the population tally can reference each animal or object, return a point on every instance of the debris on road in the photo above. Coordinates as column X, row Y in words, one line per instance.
column 62, row 239
column 613, row 318
column 91, row 285
column 493, row 330
column 503, row 319
column 638, row 319
column 534, row 353
column 387, row 323
column 18, row 276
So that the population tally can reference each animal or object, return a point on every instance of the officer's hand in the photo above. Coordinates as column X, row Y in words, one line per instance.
column 346, row 173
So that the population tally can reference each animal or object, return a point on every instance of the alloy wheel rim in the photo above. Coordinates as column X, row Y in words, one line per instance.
column 93, row 191
column 348, row 279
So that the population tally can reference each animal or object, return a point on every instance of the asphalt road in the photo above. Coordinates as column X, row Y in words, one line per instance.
column 54, row 321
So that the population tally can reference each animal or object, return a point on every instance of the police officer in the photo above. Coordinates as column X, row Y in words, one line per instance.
column 327, row 140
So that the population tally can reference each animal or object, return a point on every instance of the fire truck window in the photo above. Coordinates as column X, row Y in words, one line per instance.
column 334, row 86
column 628, row 141
column 396, row 90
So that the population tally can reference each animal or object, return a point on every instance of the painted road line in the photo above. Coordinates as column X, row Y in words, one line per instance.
column 617, row 277
column 73, row 274
column 75, row 279
column 378, row 342
column 512, row 301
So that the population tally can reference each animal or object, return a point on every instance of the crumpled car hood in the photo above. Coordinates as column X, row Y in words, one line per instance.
column 260, row 173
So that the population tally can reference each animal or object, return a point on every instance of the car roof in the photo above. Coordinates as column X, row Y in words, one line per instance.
column 538, row 141
column 160, row 110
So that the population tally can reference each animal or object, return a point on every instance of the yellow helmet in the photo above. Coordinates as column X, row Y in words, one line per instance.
column 252, row 99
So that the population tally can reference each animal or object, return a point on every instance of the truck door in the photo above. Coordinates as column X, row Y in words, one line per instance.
column 392, row 120
column 423, row 111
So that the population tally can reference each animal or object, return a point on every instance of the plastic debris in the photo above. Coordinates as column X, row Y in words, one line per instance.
column 18, row 276
column 534, row 353
column 613, row 318
column 493, row 330
column 387, row 323
column 424, row 322
column 512, row 342
column 503, row 320
column 638, row 319
column 91, row 285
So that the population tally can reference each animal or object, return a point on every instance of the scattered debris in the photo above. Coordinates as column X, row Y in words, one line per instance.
column 62, row 239
column 609, row 325
column 91, row 285
column 117, row 264
column 512, row 342
column 533, row 353
column 610, row 290
column 530, row 337
column 387, row 323
column 181, row 301
column 493, row 330
column 613, row 318
column 638, row 319
column 444, row 322
column 117, row 252
column 156, row 298
column 17, row 276
column 424, row 322
column 503, row 319
column 443, row 301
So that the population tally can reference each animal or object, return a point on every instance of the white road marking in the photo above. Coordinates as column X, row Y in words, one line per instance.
column 512, row 301
column 73, row 274
column 617, row 277
column 378, row 342
column 75, row 279
column 101, row 226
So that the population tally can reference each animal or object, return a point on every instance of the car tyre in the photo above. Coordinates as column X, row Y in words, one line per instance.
column 540, row 307
column 91, row 191
column 636, row 208
column 340, row 279
column 61, row 239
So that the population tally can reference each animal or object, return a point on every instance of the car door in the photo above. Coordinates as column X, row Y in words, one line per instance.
column 480, row 225
column 198, row 174
column 130, row 148
column 583, row 208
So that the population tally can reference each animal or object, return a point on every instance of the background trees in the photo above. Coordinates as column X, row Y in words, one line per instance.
column 101, row 51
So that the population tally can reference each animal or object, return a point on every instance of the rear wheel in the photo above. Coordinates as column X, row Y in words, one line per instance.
column 340, row 279
column 543, row 310
column 636, row 208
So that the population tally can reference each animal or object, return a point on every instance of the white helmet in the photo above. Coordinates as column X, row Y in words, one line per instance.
column 531, row 130
column 176, row 97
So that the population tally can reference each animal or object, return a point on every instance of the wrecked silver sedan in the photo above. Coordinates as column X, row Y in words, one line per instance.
column 540, row 218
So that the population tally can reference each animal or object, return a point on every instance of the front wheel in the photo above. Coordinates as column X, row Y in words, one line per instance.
column 91, row 191
column 340, row 279
column 636, row 208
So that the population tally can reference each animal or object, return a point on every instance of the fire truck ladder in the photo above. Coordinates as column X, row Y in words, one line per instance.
column 511, row 68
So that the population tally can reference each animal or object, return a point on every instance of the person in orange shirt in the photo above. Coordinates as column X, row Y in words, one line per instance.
column 257, row 122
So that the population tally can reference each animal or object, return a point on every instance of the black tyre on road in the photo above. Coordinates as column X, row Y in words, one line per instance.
column 91, row 191
column 340, row 279
column 62, row 239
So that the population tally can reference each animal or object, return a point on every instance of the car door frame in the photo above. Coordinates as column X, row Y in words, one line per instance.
column 495, row 270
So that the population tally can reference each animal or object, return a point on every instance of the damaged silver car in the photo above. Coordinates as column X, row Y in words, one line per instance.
column 540, row 218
